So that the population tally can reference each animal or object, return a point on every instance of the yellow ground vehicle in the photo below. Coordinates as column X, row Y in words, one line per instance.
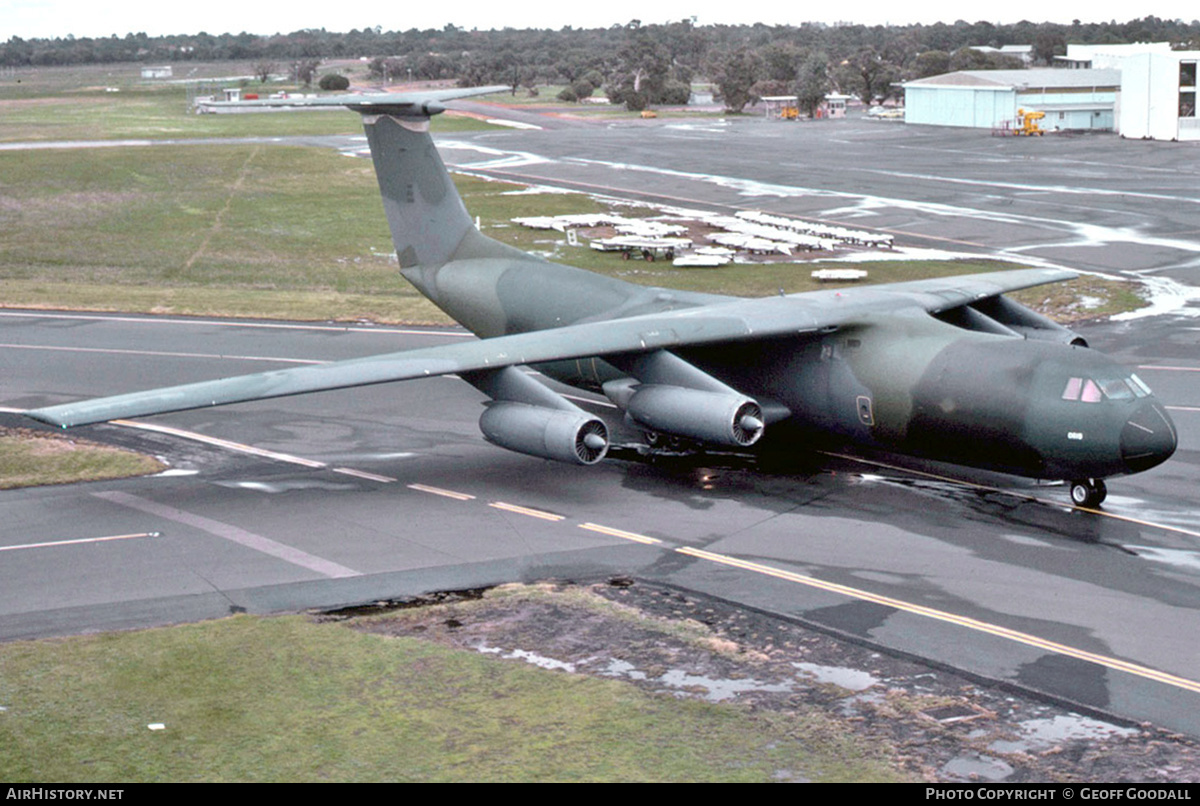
column 1027, row 122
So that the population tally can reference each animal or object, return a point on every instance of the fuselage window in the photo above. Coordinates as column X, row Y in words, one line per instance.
column 1139, row 386
column 1091, row 392
column 1072, row 390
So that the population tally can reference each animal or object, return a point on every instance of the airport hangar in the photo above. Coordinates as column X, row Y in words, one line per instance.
column 989, row 99
column 1145, row 91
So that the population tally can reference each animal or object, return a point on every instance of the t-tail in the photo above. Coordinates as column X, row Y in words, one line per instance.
column 491, row 288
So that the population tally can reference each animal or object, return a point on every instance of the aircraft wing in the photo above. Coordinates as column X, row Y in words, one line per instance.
column 636, row 334
column 939, row 294
column 733, row 321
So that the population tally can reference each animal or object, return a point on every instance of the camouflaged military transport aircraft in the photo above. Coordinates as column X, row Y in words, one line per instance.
column 944, row 369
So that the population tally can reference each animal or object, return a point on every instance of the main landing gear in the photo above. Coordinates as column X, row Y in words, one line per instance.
column 1088, row 493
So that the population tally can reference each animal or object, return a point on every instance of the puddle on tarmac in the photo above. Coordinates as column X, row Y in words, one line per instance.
column 849, row 679
column 1179, row 558
column 718, row 690
column 529, row 657
column 714, row 689
column 285, row 486
column 1043, row 734
column 975, row 768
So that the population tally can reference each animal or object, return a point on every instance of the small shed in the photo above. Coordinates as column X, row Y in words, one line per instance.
column 782, row 106
column 834, row 105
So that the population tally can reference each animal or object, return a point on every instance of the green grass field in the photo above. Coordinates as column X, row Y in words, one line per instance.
column 287, row 699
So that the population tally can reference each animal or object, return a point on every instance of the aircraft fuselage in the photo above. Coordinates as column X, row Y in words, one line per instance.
column 918, row 386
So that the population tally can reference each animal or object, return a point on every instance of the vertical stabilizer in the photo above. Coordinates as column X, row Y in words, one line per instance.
column 424, row 212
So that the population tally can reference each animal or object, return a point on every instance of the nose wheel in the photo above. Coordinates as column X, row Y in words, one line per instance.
column 1088, row 493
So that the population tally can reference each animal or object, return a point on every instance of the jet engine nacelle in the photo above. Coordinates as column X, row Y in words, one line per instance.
column 566, row 436
column 716, row 417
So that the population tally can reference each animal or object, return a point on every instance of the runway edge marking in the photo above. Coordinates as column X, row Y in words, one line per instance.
column 220, row 443
column 79, row 541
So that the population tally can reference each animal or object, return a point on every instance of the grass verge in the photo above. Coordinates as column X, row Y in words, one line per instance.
column 31, row 458
column 286, row 699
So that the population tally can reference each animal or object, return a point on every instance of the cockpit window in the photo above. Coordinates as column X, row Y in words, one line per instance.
column 1116, row 389
column 1086, row 390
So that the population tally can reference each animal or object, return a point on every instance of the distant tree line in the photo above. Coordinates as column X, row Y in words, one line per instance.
column 637, row 65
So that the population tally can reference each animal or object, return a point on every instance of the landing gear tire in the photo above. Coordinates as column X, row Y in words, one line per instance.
column 1088, row 493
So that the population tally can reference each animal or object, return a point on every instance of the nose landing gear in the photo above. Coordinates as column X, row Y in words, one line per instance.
column 1088, row 493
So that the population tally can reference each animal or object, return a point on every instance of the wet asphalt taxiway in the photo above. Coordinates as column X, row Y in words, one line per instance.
column 390, row 491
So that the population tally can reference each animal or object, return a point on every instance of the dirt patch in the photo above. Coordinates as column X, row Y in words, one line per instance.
column 935, row 725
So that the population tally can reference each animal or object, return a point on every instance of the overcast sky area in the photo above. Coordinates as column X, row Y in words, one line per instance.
column 30, row 19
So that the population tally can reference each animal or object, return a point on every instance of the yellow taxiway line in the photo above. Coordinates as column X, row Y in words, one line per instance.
column 950, row 618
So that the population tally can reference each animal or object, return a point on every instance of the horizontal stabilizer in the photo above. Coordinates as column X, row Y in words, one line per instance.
column 398, row 104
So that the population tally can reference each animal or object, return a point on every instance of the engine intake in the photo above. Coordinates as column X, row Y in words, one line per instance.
column 1026, row 322
column 716, row 417
column 565, row 436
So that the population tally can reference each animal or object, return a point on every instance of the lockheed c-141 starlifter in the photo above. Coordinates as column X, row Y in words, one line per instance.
column 945, row 369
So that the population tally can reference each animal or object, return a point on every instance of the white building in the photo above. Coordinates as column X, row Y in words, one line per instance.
column 1158, row 96
column 1106, row 56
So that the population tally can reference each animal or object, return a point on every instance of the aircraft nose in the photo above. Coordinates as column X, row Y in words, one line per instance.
column 1148, row 438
